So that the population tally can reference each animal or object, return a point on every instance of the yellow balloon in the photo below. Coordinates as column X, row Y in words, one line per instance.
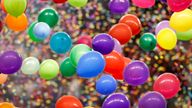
column 167, row 39
column 6, row 105
column 181, row 21
column 3, row 78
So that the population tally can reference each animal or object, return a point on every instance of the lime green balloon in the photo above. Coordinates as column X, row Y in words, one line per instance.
column 67, row 69
column 78, row 3
column 49, row 69
column 31, row 34
column 78, row 51
column 15, row 7
column 184, row 36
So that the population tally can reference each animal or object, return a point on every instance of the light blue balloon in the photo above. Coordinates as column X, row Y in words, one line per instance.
column 90, row 65
column 41, row 30
column 60, row 42
column 106, row 85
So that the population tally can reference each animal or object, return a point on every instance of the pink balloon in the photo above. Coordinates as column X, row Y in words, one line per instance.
column 85, row 40
column 117, row 46
column 178, row 5
column 144, row 3
column 161, row 25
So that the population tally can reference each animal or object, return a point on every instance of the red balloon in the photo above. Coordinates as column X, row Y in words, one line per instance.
column 1, row 25
column 167, row 84
column 122, row 32
column 85, row 40
column 68, row 102
column 59, row 1
column 178, row 5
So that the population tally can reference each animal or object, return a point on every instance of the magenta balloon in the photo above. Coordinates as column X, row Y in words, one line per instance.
column 161, row 25
column 87, row 40
column 178, row 5
column 144, row 3
column 117, row 46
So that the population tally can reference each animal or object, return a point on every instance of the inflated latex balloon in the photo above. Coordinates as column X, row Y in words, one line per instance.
column 161, row 25
column 41, row 30
column 78, row 3
column 133, row 22
column 181, row 21
column 77, row 51
column 15, row 7
column 122, row 32
column 11, row 62
column 68, row 102
column 148, row 42
column 119, row 6
column 178, row 5
column 144, row 3
column 167, row 84
column 90, row 65
column 16, row 23
column 167, row 39
column 106, row 85
column 103, row 43
column 116, row 100
column 31, row 34
column 49, row 16
column 127, row 61
column 3, row 78
column 60, row 42
column 117, row 46
column 152, row 100
column 6, row 105
column 164, row 1
column 49, row 69
column 30, row 65
column 87, row 40
column 67, row 69
column 184, row 36
column 1, row 25
column 59, row 1
column 136, row 73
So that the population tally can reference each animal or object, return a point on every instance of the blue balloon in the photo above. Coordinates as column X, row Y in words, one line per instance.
column 106, row 85
column 41, row 30
column 60, row 43
column 90, row 65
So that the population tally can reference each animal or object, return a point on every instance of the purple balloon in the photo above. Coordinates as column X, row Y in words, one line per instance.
column 116, row 100
column 117, row 46
column 161, row 25
column 164, row 1
column 152, row 100
column 11, row 62
column 103, row 43
column 119, row 6
column 136, row 73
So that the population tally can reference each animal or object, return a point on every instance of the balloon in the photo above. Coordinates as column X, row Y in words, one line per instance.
column 114, row 64
column 3, row 6
column 90, row 65
column 103, row 43
column 15, row 7
column 106, row 85
column 148, row 42
column 59, row 1
column 1, row 25
column 127, row 61
column 68, row 102
column 116, row 100
column 3, row 78
column 181, row 21
column 121, row 32
column 67, row 69
column 144, row 3
column 119, row 6
column 136, row 73
column 178, row 5
column 167, row 84
column 41, row 30
column 31, row 34
column 49, row 16
column 30, row 65
column 11, row 62
column 161, row 25
column 49, row 69
column 85, row 40
column 167, row 39
column 184, row 36
column 117, row 46
column 6, row 105
column 133, row 22
column 164, row 1
column 16, row 23
column 60, row 43
column 78, row 3
column 152, row 100
column 77, row 51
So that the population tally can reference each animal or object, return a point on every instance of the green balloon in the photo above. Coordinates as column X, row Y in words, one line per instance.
column 67, row 69
column 49, row 69
column 184, row 36
column 78, row 51
column 31, row 34
column 49, row 16
column 147, row 42
column 78, row 3
column 15, row 7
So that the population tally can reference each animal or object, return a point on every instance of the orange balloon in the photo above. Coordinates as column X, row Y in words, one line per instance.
column 68, row 102
column 122, row 32
column 16, row 23
column 2, row 6
column 6, row 105
column 3, row 78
